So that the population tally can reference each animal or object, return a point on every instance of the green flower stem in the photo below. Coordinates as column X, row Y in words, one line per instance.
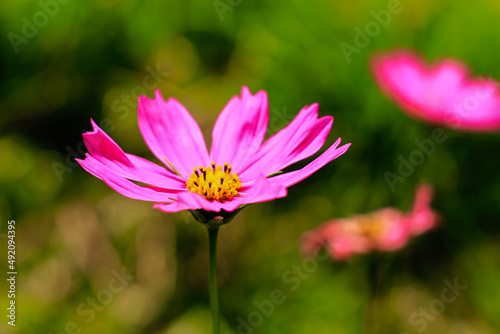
column 214, row 298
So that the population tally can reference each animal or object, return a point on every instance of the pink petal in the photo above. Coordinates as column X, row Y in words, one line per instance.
column 294, row 177
column 475, row 106
column 422, row 217
column 262, row 190
column 303, row 137
column 240, row 129
column 405, row 78
column 441, row 93
column 321, row 234
column 340, row 237
column 110, row 156
column 343, row 247
column 171, row 133
column 396, row 232
column 189, row 201
column 124, row 186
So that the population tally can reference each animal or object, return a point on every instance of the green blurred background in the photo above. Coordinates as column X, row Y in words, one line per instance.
column 92, row 59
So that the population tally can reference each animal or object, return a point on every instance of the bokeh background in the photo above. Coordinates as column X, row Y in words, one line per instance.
column 92, row 59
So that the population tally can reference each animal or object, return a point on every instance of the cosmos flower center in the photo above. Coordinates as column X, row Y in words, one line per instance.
column 215, row 183
column 370, row 226
column 374, row 228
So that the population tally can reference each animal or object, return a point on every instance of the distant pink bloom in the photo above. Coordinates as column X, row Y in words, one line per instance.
column 234, row 173
column 442, row 93
column 386, row 229
column 421, row 217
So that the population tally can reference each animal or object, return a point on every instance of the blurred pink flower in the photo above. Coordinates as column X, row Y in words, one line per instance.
column 234, row 173
column 442, row 93
column 387, row 229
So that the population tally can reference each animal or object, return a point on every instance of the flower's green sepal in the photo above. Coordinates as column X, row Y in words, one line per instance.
column 215, row 219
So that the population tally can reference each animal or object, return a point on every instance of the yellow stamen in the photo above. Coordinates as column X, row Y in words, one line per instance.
column 214, row 183
column 371, row 225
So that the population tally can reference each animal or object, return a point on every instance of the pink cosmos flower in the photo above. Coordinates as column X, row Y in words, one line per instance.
column 386, row 229
column 238, row 169
column 442, row 93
